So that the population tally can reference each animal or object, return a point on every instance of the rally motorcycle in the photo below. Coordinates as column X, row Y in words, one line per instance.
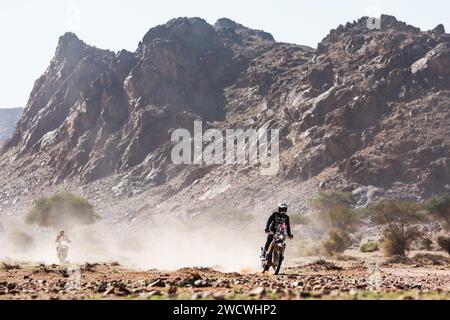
column 62, row 251
column 275, row 254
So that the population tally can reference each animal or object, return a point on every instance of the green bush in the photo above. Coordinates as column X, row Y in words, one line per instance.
column 371, row 246
column 61, row 211
column 444, row 243
column 336, row 242
column 333, row 210
column 398, row 218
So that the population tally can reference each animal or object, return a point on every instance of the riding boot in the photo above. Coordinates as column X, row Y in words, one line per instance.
column 262, row 253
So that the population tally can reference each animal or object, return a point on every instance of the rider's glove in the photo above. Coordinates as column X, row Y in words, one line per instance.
column 267, row 231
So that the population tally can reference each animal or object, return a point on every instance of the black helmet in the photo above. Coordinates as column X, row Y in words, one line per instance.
column 282, row 207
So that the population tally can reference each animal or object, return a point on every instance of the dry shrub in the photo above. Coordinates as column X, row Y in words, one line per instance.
column 439, row 207
column 420, row 259
column 396, row 242
column 398, row 260
column 10, row 266
column 89, row 267
column 336, row 242
column 42, row 268
column 444, row 243
column 343, row 257
column 393, row 244
column 424, row 259
column 322, row 265
column 426, row 244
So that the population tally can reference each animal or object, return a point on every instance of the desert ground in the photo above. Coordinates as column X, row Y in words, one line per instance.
column 355, row 275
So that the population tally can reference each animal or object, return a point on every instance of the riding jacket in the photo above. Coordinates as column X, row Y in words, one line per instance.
column 276, row 219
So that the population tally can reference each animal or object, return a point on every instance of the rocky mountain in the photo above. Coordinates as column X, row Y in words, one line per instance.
column 367, row 112
column 8, row 120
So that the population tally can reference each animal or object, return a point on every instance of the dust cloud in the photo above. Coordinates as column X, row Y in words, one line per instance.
column 218, row 239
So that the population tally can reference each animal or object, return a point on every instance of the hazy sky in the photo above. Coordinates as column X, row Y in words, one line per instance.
column 29, row 30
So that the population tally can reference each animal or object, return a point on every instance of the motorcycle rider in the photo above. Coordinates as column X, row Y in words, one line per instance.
column 277, row 218
column 60, row 238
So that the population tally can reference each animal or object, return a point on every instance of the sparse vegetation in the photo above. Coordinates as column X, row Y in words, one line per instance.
column 420, row 259
column 61, row 211
column 334, row 216
column 370, row 246
column 336, row 242
column 426, row 243
column 89, row 267
column 333, row 210
column 398, row 218
column 10, row 266
column 439, row 207
column 320, row 265
column 444, row 243
column 343, row 257
column 430, row 259
column 397, row 241
column 397, row 260
column 41, row 268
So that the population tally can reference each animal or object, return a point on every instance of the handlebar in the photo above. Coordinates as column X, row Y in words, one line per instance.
column 273, row 233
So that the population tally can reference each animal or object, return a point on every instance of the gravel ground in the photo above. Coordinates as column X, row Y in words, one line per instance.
column 323, row 279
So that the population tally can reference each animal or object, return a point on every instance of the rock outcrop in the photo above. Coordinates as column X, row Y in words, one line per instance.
column 370, row 106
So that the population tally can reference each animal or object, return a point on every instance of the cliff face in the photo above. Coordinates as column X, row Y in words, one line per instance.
column 96, row 113
column 8, row 120
column 370, row 106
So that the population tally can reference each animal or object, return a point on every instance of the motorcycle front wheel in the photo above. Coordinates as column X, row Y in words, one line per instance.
column 278, row 260
column 278, row 265
column 265, row 265
column 62, row 256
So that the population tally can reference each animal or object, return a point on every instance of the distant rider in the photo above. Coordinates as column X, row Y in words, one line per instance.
column 276, row 219
column 62, row 237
